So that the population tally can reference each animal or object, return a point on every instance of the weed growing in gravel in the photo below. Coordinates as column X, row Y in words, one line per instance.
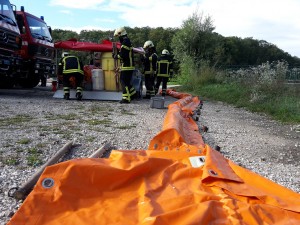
column 24, row 141
column 124, row 127
column 16, row 120
column 67, row 135
column 12, row 161
column 32, row 151
column 41, row 145
column 7, row 145
column 90, row 139
column 19, row 150
column 70, row 116
column 33, row 157
column 126, row 112
column 94, row 122
column 94, row 109
column 33, row 160
column 102, row 130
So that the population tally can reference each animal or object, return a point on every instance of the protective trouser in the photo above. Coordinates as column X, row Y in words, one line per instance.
column 67, row 84
column 149, row 83
column 128, row 91
column 164, row 81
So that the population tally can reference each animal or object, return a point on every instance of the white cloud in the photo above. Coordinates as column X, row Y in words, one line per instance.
column 163, row 14
column 272, row 20
column 78, row 4
column 68, row 12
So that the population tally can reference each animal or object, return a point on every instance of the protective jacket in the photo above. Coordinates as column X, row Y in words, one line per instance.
column 150, row 61
column 70, row 64
column 164, row 66
column 126, row 55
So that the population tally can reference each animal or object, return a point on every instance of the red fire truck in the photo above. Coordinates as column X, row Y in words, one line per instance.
column 37, row 50
column 10, row 42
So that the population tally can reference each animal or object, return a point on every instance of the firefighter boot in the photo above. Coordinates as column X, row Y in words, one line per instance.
column 124, row 101
column 67, row 96
column 78, row 96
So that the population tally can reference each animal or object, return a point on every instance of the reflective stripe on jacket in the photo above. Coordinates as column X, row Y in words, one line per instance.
column 150, row 64
column 164, row 66
column 126, row 55
column 71, row 64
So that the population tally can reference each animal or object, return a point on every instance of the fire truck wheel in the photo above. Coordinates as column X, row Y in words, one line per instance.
column 6, row 82
column 29, row 82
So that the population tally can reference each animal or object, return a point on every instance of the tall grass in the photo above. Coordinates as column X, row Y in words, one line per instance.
column 260, row 89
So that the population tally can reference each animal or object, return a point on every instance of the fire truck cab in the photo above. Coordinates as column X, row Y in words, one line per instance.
column 10, row 42
column 37, row 50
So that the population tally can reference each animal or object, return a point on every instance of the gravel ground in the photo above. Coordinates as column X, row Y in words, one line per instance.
column 34, row 126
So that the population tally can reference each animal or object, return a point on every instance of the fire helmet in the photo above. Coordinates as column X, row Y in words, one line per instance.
column 148, row 44
column 120, row 32
column 165, row 52
column 64, row 54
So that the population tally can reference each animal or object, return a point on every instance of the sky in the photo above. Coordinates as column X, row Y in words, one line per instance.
column 275, row 21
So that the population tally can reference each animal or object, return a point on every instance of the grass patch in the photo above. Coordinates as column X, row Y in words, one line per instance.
column 24, row 141
column 12, row 161
column 94, row 109
column 94, row 122
column 16, row 120
column 34, row 157
column 33, row 160
column 101, row 130
column 124, row 127
column 126, row 112
column 90, row 139
column 70, row 116
column 41, row 145
column 7, row 145
column 284, row 106
column 260, row 89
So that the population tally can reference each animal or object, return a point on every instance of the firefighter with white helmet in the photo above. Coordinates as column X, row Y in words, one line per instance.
column 165, row 52
column 120, row 32
column 64, row 54
column 70, row 66
column 164, row 71
column 149, row 60
column 127, row 65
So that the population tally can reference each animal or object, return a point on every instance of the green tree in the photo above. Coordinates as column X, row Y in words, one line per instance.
column 196, row 39
column 62, row 35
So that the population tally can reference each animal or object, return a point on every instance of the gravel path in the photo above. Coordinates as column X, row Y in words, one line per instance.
column 34, row 126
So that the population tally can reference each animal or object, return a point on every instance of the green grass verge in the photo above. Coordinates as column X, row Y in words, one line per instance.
column 284, row 106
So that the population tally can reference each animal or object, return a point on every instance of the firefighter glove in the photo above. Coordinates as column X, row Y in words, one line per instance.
column 115, row 56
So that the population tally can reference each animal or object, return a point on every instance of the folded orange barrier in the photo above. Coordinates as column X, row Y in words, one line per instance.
column 178, row 180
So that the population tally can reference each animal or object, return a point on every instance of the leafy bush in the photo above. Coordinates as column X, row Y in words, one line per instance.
column 195, row 74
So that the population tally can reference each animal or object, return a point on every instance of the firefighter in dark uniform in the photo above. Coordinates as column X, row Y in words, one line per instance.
column 164, row 71
column 127, row 65
column 70, row 66
column 149, row 61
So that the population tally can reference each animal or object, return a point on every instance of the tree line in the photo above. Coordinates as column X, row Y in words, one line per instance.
column 195, row 38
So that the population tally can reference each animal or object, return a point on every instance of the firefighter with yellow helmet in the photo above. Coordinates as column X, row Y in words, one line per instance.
column 127, row 65
column 164, row 71
column 70, row 66
column 149, row 60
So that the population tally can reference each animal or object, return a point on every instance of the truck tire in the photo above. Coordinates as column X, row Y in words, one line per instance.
column 6, row 82
column 30, row 82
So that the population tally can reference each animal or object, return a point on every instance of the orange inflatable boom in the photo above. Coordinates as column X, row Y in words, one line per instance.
column 179, row 180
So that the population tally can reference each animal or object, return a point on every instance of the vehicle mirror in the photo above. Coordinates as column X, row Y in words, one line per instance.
column 50, row 30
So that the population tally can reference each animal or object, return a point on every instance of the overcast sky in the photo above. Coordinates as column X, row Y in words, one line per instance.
column 275, row 21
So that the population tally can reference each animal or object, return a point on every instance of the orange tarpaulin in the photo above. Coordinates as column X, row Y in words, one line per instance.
column 178, row 180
